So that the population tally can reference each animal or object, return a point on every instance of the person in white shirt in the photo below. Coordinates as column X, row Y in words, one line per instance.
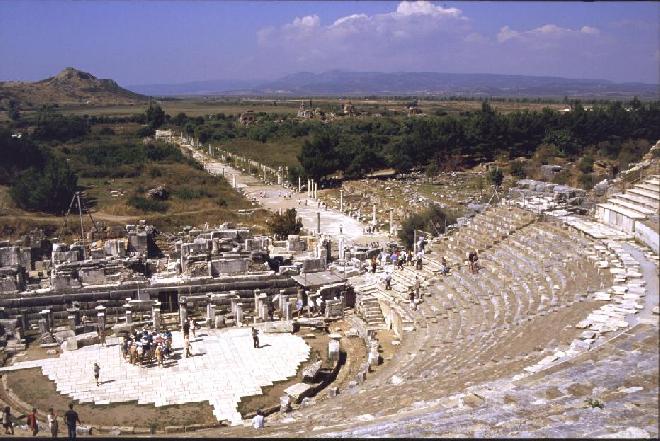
column 258, row 420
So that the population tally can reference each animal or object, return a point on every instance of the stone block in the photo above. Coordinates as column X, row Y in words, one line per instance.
column 311, row 372
column 298, row 391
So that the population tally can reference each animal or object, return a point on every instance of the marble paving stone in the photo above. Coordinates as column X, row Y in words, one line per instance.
column 228, row 369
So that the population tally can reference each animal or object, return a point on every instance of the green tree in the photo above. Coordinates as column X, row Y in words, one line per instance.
column 318, row 157
column 155, row 116
column 282, row 225
column 12, row 110
column 433, row 219
column 48, row 190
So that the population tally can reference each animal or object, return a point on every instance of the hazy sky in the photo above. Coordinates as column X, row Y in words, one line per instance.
column 168, row 42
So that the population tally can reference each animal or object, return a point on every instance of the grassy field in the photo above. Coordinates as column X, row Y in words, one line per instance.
column 205, row 106
column 274, row 153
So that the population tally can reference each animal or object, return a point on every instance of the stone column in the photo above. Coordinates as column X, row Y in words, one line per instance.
column 341, row 201
column 43, row 326
column 333, row 347
column 155, row 315
column 47, row 314
column 309, row 186
column 341, row 248
column 318, row 222
column 263, row 306
column 391, row 221
column 239, row 314
column 283, row 299
column 234, row 300
column 298, row 184
column 210, row 314
column 286, row 311
column 183, row 310
column 129, row 313
column 256, row 305
column 71, row 320
column 25, row 322
column 100, row 320
column 373, row 215
column 316, row 190
column 233, row 180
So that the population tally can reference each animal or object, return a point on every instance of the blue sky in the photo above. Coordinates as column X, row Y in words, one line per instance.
column 169, row 42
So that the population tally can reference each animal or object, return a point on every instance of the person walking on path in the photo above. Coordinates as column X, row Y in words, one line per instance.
column 97, row 372
column 255, row 337
column 192, row 327
column 32, row 422
column 388, row 281
column 186, row 346
column 7, row 421
column 53, row 425
column 186, row 329
column 159, row 355
column 71, row 419
column 258, row 420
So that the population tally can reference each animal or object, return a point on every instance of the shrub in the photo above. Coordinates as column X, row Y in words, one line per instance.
column 496, row 177
column 187, row 193
column 283, row 225
column 586, row 164
column 586, row 181
column 145, row 204
column 518, row 169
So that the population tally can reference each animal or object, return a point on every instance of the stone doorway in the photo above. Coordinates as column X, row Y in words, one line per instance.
column 169, row 301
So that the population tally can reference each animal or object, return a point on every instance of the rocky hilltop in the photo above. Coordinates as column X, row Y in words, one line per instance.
column 70, row 86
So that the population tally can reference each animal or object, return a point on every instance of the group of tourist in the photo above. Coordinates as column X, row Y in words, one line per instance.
column 70, row 417
column 145, row 347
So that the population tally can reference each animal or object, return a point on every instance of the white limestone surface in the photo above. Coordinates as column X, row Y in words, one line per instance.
column 225, row 367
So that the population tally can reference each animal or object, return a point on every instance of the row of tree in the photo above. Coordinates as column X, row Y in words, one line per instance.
column 473, row 136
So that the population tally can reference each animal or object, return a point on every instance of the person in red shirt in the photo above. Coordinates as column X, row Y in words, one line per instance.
column 32, row 422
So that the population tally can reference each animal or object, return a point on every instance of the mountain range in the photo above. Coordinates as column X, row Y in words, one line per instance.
column 338, row 83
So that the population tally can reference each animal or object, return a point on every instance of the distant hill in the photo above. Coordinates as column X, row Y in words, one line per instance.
column 70, row 86
column 337, row 83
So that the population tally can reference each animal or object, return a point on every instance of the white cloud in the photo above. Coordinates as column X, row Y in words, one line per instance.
column 545, row 33
column 406, row 9
column 308, row 21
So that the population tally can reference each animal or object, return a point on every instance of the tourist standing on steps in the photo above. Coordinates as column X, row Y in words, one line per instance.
column 53, row 425
column 71, row 419
column 7, row 421
column 258, row 420
column 32, row 422
column 373, row 264
column 255, row 337
column 419, row 260
column 186, row 329
column 417, row 286
column 444, row 268
column 97, row 371
column 388, row 281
